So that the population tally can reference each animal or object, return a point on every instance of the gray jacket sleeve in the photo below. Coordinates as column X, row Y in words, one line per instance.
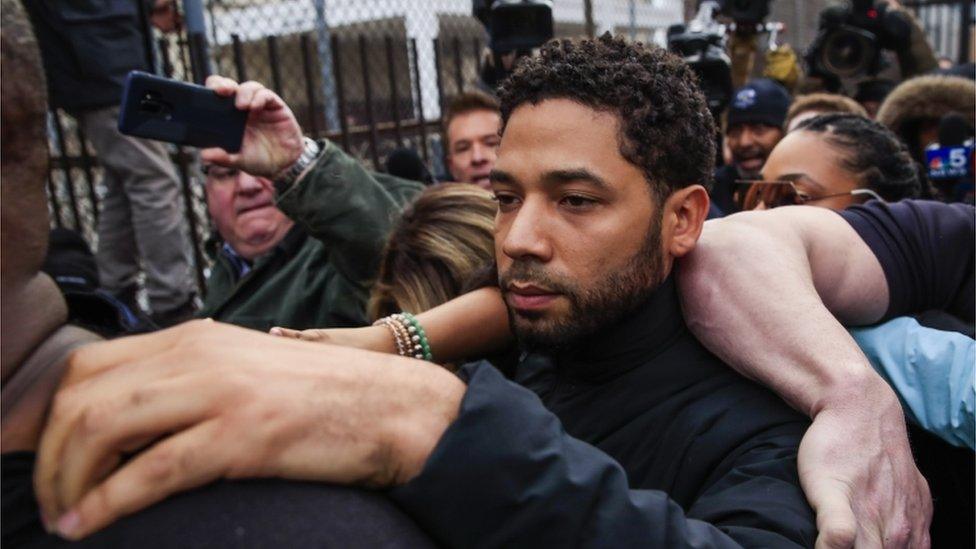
column 506, row 474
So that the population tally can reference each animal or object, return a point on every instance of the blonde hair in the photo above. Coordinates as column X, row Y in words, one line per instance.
column 443, row 241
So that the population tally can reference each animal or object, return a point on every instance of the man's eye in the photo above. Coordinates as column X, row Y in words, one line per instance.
column 220, row 174
column 505, row 200
column 577, row 201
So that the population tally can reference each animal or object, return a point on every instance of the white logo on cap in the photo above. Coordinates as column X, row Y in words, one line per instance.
column 745, row 98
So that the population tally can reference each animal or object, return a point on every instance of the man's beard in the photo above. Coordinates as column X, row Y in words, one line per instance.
column 591, row 309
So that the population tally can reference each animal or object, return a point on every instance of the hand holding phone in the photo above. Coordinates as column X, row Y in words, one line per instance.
column 179, row 112
column 245, row 126
column 272, row 137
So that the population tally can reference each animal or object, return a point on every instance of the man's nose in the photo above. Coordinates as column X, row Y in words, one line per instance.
column 526, row 234
column 248, row 184
column 479, row 154
column 747, row 138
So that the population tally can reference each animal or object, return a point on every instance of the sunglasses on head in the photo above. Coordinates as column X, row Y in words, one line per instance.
column 773, row 194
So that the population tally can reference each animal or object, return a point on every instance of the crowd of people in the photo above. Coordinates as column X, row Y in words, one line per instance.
column 584, row 334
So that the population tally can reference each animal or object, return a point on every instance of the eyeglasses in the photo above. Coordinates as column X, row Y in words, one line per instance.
column 219, row 174
column 773, row 194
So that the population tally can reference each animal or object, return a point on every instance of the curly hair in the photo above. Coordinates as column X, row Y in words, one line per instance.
column 665, row 126
column 875, row 155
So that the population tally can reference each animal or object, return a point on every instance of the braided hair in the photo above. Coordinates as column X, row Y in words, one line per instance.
column 870, row 151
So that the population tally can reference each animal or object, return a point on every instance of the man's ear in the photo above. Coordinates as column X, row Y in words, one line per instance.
column 685, row 212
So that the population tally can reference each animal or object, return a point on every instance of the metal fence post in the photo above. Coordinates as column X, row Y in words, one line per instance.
column 313, row 121
column 368, row 97
column 394, row 96
column 69, row 180
column 418, row 91
column 588, row 18
column 340, row 94
column 324, row 44
column 196, row 33
column 632, row 18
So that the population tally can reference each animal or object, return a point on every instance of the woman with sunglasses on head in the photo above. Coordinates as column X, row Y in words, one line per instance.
column 833, row 161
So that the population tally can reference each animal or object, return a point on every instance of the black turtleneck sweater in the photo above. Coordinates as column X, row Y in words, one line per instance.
column 638, row 437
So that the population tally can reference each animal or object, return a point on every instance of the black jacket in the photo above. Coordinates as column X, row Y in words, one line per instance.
column 723, row 189
column 89, row 46
column 639, row 438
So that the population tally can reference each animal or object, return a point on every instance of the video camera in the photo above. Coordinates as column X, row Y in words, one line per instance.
column 850, row 39
column 702, row 45
column 515, row 28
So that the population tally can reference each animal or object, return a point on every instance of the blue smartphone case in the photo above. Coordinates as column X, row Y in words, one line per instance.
column 178, row 112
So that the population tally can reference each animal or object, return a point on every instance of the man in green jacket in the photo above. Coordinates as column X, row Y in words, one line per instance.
column 307, row 257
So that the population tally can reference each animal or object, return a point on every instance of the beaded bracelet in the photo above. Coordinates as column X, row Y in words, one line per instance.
column 418, row 336
column 401, row 337
column 408, row 335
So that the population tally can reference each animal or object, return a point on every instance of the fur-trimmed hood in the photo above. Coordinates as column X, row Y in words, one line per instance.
column 928, row 97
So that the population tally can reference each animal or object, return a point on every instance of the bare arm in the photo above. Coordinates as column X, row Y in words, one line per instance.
column 469, row 326
column 761, row 290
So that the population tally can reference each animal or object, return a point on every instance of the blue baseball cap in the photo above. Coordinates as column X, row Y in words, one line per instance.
column 761, row 101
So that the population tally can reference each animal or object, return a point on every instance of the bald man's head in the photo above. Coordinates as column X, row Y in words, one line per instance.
column 30, row 303
column 23, row 147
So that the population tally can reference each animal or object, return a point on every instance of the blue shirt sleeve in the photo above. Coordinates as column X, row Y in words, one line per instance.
column 932, row 373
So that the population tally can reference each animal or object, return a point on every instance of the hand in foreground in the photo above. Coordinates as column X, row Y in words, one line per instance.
column 857, row 471
column 371, row 338
column 272, row 138
column 206, row 401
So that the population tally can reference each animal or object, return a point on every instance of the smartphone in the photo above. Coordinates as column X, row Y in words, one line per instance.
column 178, row 112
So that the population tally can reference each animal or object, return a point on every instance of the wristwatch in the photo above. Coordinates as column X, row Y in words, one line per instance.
column 310, row 152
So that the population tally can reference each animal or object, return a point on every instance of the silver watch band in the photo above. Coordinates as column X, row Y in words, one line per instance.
column 310, row 152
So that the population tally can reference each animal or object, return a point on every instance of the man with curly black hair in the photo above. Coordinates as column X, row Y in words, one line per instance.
column 599, row 179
